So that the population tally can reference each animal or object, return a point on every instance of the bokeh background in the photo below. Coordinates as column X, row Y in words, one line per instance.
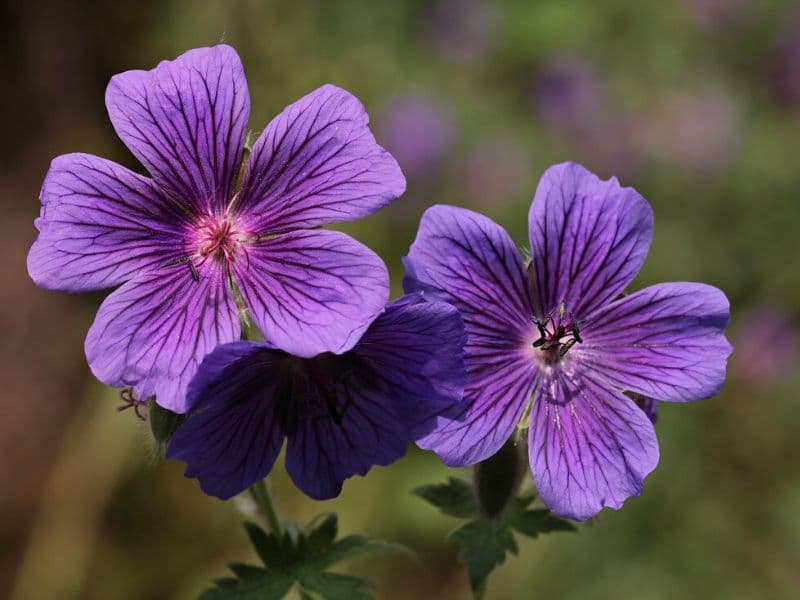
column 696, row 103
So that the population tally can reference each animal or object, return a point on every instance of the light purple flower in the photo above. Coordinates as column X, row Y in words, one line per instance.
column 179, row 242
column 559, row 331
column 418, row 130
column 341, row 414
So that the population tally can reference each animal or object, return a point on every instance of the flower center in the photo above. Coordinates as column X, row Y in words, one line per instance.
column 315, row 389
column 217, row 238
column 558, row 332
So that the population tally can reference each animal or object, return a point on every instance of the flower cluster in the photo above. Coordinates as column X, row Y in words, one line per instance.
column 482, row 345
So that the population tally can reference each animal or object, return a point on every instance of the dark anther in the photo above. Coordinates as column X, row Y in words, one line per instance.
column 129, row 400
column 564, row 332
column 192, row 268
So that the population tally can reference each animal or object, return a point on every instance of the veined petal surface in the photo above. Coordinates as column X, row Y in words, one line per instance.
column 589, row 445
column 316, row 163
column 101, row 224
column 153, row 331
column 185, row 120
column 233, row 435
column 312, row 291
column 589, row 239
column 666, row 341
column 465, row 259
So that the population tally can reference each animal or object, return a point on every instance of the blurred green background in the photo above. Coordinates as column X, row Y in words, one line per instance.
column 696, row 103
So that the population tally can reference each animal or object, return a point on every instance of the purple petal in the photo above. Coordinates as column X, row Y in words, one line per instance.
column 323, row 451
column 468, row 260
column 234, row 435
column 666, row 341
column 316, row 163
column 589, row 446
column 99, row 225
column 185, row 120
column 416, row 349
column 312, row 291
column 589, row 238
column 153, row 331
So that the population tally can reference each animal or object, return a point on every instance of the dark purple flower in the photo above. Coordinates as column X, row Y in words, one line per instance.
column 418, row 130
column 559, row 331
column 341, row 413
column 185, row 242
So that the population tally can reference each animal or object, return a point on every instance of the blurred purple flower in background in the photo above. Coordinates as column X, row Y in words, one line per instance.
column 462, row 30
column 185, row 242
column 558, row 331
column 784, row 68
column 716, row 15
column 495, row 170
column 341, row 414
column 767, row 341
column 418, row 129
column 567, row 92
column 699, row 132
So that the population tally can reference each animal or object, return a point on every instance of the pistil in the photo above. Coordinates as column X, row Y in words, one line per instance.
column 557, row 333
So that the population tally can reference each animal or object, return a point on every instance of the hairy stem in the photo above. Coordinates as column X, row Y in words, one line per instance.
column 263, row 500
column 479, row 593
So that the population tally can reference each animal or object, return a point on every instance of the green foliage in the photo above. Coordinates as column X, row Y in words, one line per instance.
column 486, row 540
column 299, row 557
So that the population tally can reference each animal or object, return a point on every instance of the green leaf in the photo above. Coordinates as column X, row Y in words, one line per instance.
column 300, row 555
column 534, row 522
column 322, row 530
column 266, row 588
column 485, row 540
column 336, row 586
column 455, row 498
column 484, row 546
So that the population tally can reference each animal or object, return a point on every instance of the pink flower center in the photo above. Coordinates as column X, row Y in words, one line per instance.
column 558, row 332
column 218, row 238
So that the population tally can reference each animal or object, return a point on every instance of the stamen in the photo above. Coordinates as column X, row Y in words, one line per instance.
column 129, row 400
column 557, row 334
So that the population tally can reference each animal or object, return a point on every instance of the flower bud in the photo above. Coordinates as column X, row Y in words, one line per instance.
column 163, row 423
column 498, row 477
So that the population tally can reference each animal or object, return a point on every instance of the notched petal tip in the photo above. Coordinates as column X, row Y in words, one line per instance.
column 317, row 163
column 590, row 447
column 589, row 238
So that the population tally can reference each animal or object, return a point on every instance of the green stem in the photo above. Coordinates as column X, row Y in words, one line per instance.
column 263, row 500
column 479, row 593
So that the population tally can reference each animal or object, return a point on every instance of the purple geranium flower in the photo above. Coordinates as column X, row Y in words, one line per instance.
column 341, row 414
column 564, row 334
column 185, row 242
